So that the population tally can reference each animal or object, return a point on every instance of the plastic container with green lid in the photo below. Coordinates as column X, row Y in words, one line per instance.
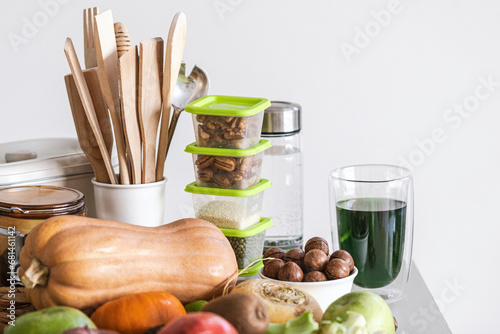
column 229, row 208
column 228, row 168
column 252, row 272
column 248, row 245
column 228, row 121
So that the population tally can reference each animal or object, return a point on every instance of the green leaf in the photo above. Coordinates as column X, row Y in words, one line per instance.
column 303, row 324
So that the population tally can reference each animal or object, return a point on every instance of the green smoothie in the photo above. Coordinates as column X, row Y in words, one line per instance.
column 372, row 230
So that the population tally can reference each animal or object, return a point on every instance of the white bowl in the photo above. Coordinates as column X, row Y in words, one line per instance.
column 325, row 292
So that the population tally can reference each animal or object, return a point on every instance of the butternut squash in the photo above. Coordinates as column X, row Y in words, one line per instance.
column 85, row 262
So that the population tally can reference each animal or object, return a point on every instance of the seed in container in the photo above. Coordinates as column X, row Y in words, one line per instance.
column 336, row 269
column 272, row 268
column 291, row 272
column 315, row 260
column 314, row 276
column 317, row 243
column 295, row 255
column 273, row 252
column 343, row 255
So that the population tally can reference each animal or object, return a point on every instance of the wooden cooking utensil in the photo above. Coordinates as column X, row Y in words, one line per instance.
column 128, row 65
column 86, row 138
column 150, row 81
column 107, row 61
column 122, row 37
column 88, row 36
column 88, row 107
column 101, row 110
column 173, row 58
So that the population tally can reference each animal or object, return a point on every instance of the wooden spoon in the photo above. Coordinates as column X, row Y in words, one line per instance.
column 173, row 58
column 88, row 107
column 150, row 81
column 128, row 88
column 107, row 62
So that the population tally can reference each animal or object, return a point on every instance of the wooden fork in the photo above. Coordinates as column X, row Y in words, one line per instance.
column 88, row 36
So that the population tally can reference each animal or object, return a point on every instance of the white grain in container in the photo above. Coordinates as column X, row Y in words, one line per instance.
column 229, row 208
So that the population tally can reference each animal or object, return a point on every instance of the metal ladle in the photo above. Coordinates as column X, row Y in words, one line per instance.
column 187, row 89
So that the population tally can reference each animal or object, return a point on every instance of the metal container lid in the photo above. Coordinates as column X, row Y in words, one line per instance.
column 40, row 159
column 282, row 117
column 40, row 201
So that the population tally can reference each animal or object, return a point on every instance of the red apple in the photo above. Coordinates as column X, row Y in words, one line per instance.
column 199, row 322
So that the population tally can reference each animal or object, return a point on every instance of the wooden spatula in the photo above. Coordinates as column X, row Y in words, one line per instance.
column 88, row 106
column 128, row 64
column 107, row 63
column 101, row 110
column 86, row 138
column 173, row 58
column 150, row 80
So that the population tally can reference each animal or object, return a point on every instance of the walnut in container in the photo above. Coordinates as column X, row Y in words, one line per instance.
column 227, row 121
column 228, row 168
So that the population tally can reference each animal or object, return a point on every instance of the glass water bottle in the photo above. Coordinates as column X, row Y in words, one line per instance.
column 282, row 165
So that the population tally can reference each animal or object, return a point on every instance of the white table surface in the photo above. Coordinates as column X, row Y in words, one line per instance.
column 417, row 312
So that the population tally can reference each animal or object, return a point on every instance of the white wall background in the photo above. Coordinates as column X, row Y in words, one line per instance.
column 392, row 94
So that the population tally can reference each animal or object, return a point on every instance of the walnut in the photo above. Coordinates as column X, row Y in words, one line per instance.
column 234, row 123
column 205, row 174
column 204, row 161
column 222, row 181
column 201, row 118
column 211, row 125
column 243, row 123
column 235, row 176
column 225, row 163
column 202, row 133
column 246, row 163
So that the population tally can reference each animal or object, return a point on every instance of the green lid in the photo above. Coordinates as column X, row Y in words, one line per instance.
column 253, row 270
column 264, row 224
column 229, row 152
column 259, row 187
column 228, row 105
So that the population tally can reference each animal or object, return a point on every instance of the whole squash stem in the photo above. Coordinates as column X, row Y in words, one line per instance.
column 36, row 274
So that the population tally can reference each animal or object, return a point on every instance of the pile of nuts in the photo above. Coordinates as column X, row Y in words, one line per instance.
column 228, row 132
column 313, row 264
column 227, row 172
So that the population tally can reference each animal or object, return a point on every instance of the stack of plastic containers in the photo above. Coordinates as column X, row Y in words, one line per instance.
column 227, row 159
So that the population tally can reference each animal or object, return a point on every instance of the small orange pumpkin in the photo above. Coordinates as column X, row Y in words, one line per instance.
column 137, row 313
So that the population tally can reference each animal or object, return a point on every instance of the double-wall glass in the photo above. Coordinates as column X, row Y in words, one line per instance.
column 371, row 208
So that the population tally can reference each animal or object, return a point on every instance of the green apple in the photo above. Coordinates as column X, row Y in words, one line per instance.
column 374, row 309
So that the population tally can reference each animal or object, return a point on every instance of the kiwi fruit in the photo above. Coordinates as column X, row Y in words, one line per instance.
column 246, row 313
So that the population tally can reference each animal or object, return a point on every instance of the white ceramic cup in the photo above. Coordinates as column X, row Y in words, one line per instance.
column 137, row 204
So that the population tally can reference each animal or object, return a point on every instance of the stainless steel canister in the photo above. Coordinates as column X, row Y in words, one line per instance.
column 283, row 165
